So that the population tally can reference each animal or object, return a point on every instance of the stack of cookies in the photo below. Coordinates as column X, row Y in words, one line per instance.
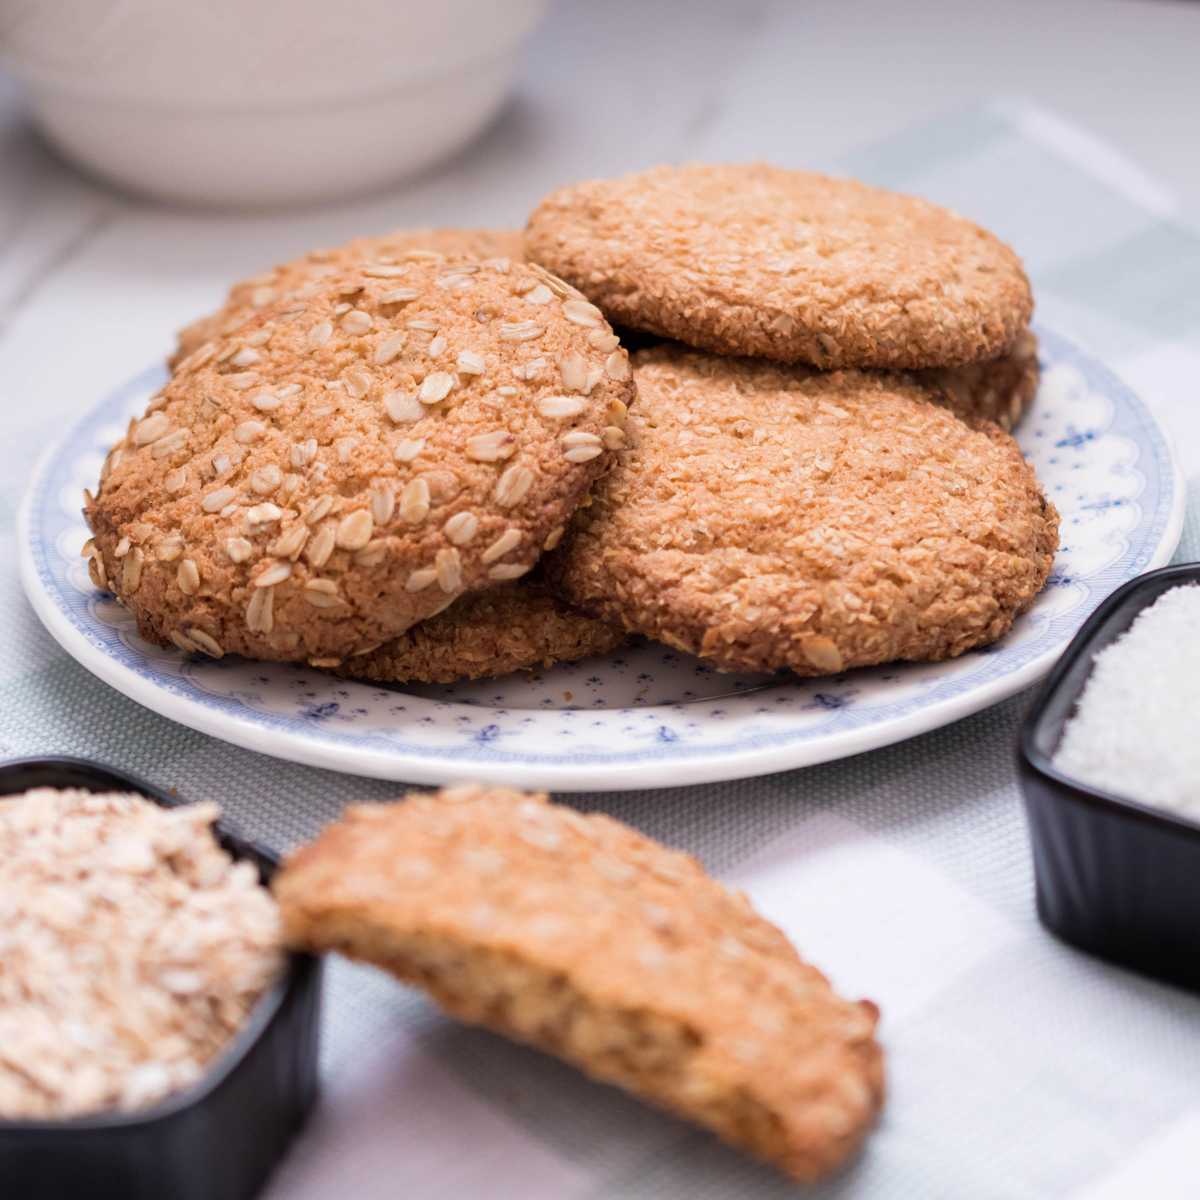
column 817, row 473
column 409, row 458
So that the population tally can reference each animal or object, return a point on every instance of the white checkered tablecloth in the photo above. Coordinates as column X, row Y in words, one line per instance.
column 1019, row 1069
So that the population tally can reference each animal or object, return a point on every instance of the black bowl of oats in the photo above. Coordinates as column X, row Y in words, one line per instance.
column 155, row 1040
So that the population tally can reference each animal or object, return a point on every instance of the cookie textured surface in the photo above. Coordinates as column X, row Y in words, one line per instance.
column 999, row 390
column 511, row 627
column 769, row 517
column 582, row 937
column 796, row 267
column 347, row 464
column 291, row 280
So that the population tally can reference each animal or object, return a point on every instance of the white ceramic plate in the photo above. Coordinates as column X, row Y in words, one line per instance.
column 646, row 716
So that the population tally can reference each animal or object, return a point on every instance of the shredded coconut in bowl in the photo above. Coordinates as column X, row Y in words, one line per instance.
column 1134, row 731
column 132, row 948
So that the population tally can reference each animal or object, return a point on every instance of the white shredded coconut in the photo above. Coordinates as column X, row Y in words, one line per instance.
column 1136, row 729
column 132, row 947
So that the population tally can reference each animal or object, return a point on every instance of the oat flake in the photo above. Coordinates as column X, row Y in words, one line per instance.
column 132, row 948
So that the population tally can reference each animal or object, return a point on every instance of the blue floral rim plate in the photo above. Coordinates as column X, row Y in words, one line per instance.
column 645, row 716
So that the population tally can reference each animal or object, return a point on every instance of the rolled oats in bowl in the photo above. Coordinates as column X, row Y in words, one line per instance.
column 132, row 949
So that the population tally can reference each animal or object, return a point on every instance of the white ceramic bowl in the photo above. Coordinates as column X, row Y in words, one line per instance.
column 269, row 102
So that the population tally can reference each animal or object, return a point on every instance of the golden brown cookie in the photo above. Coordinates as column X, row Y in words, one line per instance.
column 347, row 464
column 999, row 390
column 787, row 265
column 582, row 937
column 290, row 279
column 510, row 627
column 769, row 517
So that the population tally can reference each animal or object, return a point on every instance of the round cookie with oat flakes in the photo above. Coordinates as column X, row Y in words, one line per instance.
column 348, row 464
column 511, row 627
column 767, row 517
column 786, row 265
column 291, row 280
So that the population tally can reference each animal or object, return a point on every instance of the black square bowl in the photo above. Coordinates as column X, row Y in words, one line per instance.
column 219, row 1138
column 1116, row 878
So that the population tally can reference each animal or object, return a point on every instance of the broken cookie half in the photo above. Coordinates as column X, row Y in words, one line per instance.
column 578, row 935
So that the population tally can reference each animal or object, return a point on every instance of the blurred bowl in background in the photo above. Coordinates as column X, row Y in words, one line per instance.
column 274, row 102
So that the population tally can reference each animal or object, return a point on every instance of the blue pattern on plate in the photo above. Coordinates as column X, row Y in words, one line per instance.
column 1101, row 455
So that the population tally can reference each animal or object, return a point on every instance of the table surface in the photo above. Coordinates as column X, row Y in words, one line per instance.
column 93, row 285
column 605, row 87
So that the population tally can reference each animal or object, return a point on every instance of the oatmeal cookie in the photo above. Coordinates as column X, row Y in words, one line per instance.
column 291, row 279
column 999, row 390
column 787, row 265
column 347, row 464
column 511, row 627
column 578, row 935
column 767, row 517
